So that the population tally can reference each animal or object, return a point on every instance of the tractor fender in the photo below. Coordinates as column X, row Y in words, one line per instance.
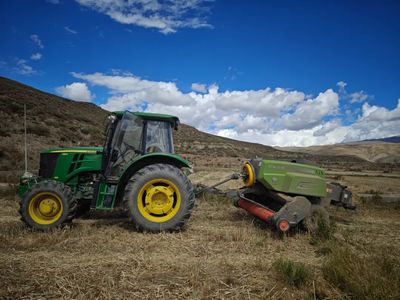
column 145, row 160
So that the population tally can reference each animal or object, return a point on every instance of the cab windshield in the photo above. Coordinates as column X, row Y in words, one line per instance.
column 135, row 136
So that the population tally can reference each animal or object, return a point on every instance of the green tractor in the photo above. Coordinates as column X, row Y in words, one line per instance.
column 136, row 169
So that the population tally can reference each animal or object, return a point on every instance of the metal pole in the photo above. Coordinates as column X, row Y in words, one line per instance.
column 26, row 151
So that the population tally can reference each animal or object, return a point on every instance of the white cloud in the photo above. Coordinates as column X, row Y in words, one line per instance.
column 375, row 122
column 134, row 89
column 36, row 40
column 268, row 116
column 309, row 113
column 358, row 97
column 36, row 56
column 327, row 127
column 69, row 30
column 23, row 68
column 77, row 91
column 166, row 16
column 342, row 85
column 198, row 87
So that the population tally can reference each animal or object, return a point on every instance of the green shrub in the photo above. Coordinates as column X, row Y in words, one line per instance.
column 38, row 129
column 320, row 228
column 375, row 276
column 5, row 132
column 293, row 273
column 85, row 131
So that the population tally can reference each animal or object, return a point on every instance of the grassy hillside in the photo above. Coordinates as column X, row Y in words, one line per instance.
column 52, row 122
column 380, row 152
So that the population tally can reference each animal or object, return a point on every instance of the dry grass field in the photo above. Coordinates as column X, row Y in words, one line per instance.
column 223, row 253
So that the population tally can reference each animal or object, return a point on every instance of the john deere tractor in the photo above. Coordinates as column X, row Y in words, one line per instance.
column 136, row 169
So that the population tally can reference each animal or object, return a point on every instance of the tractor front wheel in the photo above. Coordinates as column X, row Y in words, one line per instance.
column 49, row 204
column 159, row 197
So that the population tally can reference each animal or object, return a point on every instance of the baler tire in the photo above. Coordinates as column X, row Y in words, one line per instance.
column 61, row 192
column 135, row 199
column 316, row 211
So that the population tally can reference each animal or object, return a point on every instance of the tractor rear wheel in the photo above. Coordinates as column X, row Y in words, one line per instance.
column 48, row 204
column 159, row 197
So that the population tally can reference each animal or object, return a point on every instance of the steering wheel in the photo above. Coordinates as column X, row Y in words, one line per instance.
column 122, row 154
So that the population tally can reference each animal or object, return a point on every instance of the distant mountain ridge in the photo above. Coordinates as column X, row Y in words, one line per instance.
column 391, row 139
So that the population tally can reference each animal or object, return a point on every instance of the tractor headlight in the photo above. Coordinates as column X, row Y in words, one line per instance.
column 25, row 178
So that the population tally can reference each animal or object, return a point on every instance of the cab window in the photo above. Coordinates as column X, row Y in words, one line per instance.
column 159, row 137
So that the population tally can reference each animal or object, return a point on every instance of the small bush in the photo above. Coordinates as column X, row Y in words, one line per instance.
column 38, row 130
column 320, row 228
column 324, row 231
column 293, row 273
column 375, row 276
column 15, row 107
column 85, row 131
column 5, row 132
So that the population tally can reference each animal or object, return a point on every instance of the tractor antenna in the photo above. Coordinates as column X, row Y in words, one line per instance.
column 26, row 151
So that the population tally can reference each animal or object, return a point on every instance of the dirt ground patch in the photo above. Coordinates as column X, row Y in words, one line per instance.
column 222, row 253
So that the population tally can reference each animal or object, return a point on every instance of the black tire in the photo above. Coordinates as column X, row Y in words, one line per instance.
column 64, row 194
column 317, row 214
column 151, row 173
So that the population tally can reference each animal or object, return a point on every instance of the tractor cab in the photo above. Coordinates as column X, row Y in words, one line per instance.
column 131, row 134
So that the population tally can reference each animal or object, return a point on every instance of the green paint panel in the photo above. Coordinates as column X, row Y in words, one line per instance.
column 292, row 178
column 106, row 197
column 73, row 161
column 75, row 150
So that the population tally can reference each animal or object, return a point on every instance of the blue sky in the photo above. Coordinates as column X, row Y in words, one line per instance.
column 276, row 72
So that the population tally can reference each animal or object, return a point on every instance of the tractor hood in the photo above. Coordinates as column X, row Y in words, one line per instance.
column 64, row 163
column 87, row 150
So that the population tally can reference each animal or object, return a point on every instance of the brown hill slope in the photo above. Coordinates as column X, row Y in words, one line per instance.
column 57, row 122
column 52, row 122
column 380, row 152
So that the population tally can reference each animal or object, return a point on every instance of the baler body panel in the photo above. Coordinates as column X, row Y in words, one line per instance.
column 291, row 178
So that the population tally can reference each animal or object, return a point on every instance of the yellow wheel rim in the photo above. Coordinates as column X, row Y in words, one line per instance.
column 45, row 208
column 159, row 200
column 249, row 178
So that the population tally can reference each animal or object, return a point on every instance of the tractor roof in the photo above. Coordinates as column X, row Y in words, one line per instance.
column 151, row 116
